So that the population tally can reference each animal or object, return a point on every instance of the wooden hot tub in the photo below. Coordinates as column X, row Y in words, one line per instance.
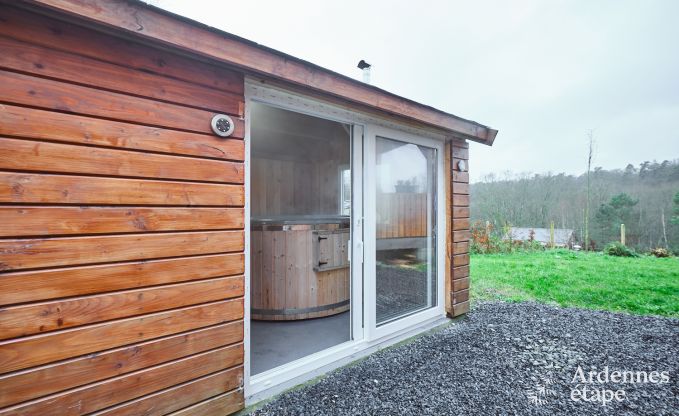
column 299, row 267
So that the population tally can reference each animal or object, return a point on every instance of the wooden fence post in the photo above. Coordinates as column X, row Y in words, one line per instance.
column 622, row 234
column 551, row 234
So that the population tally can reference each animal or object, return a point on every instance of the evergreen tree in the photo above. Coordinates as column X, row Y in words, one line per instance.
column 619, row 210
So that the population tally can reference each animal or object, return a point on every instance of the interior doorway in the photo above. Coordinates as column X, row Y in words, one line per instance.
column 300, row 231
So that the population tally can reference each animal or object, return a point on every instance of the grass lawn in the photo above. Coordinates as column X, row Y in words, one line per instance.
column 645, row 285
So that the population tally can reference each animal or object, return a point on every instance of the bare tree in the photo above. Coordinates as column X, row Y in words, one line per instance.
column 590, row 135
column 664, row 229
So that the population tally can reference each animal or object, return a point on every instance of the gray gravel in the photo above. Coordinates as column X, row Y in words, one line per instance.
column 503, row 358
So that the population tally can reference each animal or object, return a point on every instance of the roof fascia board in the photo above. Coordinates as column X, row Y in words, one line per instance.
column 147, row 22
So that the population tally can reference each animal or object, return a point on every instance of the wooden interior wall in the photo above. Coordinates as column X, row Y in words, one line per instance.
column 458, row 297
column 288, row 187
column 121, row 239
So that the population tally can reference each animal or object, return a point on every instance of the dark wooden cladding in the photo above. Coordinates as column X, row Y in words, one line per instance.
column 461, row 248
column 461, row 296
column 460, row 260
column 461, row 188
column 31, row 188
column 460, row 200
column 461, row 176
column 461, row 234
column 460, row 224
column 122, row 231
column 461, row 272
column 460, row 152
column 460, row 284
column 33, row 123
column 461, row 212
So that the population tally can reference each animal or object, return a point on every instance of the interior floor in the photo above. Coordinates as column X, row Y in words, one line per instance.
column 274, row 343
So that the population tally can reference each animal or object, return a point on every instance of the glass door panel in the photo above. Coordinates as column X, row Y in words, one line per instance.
column 405, row 232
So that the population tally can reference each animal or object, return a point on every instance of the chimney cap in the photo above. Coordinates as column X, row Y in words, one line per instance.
column 363, row 64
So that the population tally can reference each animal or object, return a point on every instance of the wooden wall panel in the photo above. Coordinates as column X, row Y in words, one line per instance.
column 20, row 89
column 45, row 221
column 45, row 62
column 52, row 378
column 16, row 354
column 36, row 285
column 67, row 251
column 37, row 318
column 460, row 231
column 58, row 35
column 97, row 396
column 217, row 406
column 30, row 188
column 71, row 128
column 121, row 239
column 289, row 187
column 29, row 155
column 185, row 395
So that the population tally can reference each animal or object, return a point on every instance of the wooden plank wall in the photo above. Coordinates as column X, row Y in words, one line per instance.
column 460, row 230
column 121, row 239
column 291, row 187
column 402, row 215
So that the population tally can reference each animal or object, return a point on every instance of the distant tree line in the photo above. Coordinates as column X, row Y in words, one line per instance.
column 644, row 198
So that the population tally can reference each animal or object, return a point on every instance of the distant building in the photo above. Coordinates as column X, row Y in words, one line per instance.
column 563, row 237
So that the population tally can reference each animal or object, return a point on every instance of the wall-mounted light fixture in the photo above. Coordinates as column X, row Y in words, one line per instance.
column 461, row 165
column 222, row 125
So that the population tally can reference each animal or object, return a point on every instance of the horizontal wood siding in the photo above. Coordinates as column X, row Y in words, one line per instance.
column 460, row 231
column 122, row 226
column 402, row 215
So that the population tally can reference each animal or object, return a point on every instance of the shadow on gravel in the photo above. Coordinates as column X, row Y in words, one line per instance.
column 508, row 358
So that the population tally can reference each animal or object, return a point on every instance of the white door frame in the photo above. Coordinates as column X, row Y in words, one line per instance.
column 370, row 230
column 256, row 92
column 364, row 339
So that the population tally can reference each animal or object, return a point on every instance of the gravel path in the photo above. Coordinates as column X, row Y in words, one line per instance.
column 505, row 358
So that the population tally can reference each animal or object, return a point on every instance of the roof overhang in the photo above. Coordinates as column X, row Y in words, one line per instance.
column 140, row 20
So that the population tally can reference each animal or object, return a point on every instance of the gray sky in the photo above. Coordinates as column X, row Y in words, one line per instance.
column 541, row 72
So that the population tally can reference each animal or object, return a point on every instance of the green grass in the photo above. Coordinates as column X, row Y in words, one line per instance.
column 644, row 285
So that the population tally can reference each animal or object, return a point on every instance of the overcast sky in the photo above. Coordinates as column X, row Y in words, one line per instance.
column 541, row 72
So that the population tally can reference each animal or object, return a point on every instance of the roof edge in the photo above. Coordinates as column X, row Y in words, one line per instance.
column 144, row 21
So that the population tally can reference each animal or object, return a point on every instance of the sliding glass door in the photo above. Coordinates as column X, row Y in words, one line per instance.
column 403, row 251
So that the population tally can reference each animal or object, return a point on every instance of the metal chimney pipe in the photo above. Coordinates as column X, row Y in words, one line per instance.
column 363, row 65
